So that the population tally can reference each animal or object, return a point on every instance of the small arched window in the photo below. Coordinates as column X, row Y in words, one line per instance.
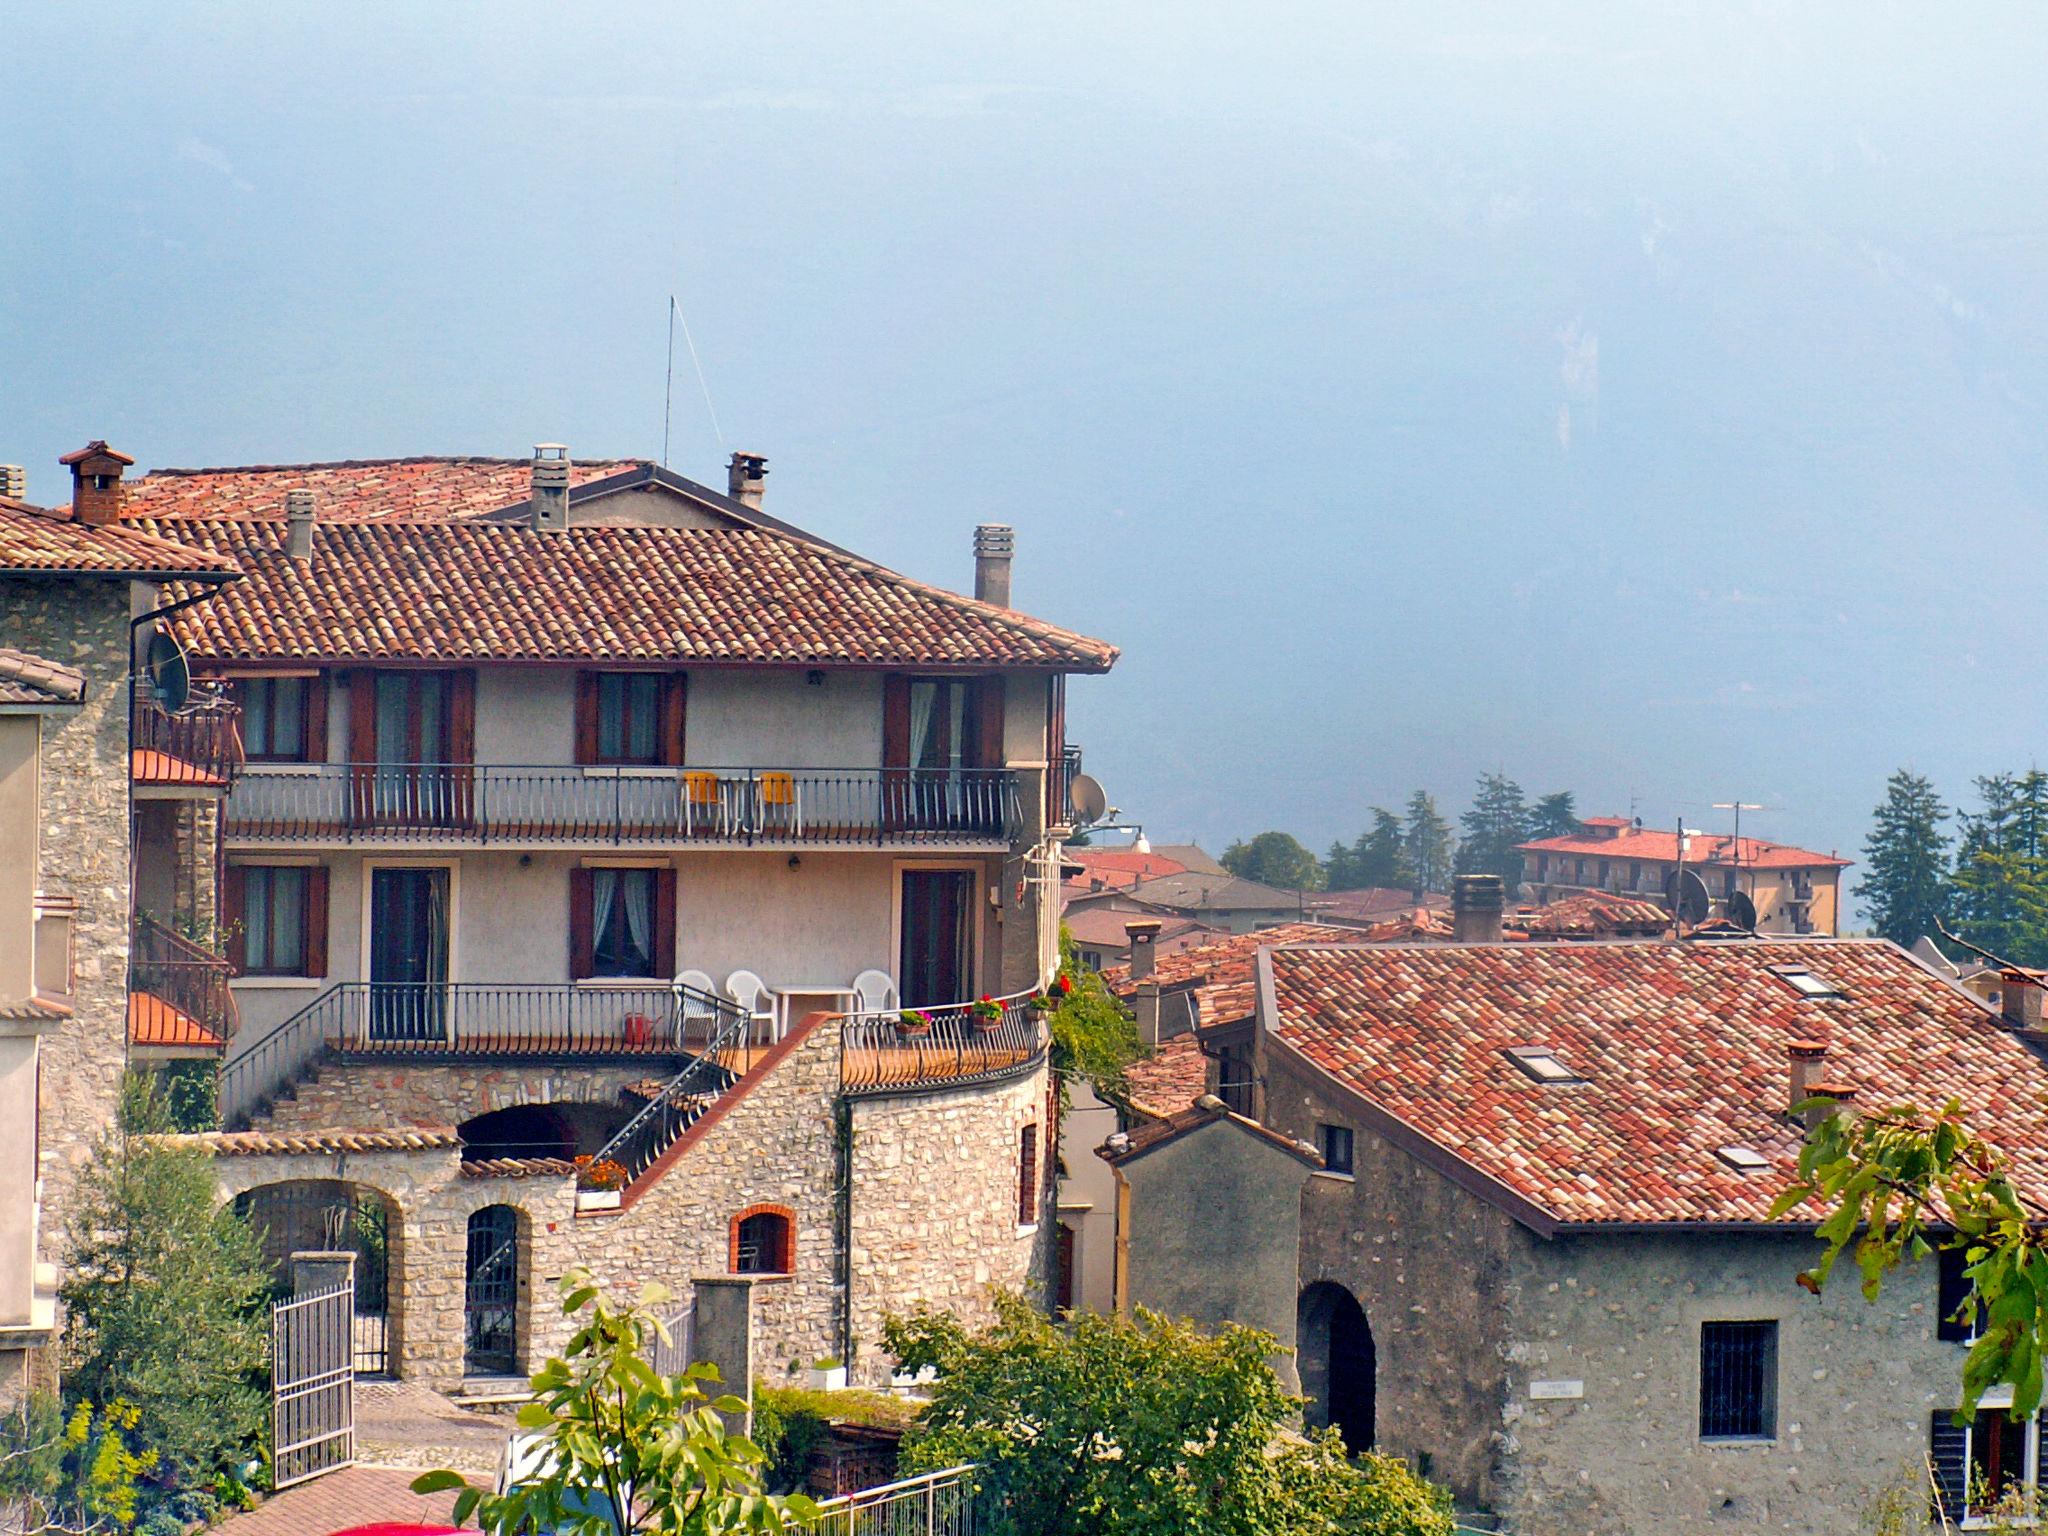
column 764, row 1241
column 1027, row 1175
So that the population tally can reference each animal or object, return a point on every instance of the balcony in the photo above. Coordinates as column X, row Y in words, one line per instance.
column 717, row 807
column 198, row 750
column 179, row 1001
column 882, row 1054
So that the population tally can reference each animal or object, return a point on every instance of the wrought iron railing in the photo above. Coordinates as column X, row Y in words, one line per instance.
column 471, row 1018
column 946, row 1503
column 433, row 802
column 682, row 1101
column 919, row 1050
column 189, row 977
column 201, row 743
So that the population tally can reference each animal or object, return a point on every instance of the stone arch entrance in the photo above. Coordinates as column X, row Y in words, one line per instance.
column 301, row 1215
column 490, row 1308
column 1334, row 1348
column 543, row 1129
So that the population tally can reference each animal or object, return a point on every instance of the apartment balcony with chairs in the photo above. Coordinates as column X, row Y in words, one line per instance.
column 198, row 750
column 475, row 804
column 928, row 1050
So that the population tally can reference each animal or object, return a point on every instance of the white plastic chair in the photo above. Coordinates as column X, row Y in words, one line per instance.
column 693, row 1007
column 876, row 992
column 752, row 994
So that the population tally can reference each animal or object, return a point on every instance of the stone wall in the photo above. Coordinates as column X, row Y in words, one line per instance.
column 84, row 856
column 363, row 1094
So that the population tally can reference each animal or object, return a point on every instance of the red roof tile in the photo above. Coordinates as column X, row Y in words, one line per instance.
column 1705, row 848
column 1142, row 1139
column 29, row 679
column 268, row 1143
column 477, row 591
column 41, row 542
column 1120, row 867
column 1170, row 1079
column 1222, row 972
column 351, row 491
column 1682, row 1051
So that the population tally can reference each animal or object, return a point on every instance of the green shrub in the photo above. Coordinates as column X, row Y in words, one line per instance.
column 789, row 1422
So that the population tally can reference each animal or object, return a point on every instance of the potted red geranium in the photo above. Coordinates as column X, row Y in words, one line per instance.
column 913, row 1023
column 986, row 1014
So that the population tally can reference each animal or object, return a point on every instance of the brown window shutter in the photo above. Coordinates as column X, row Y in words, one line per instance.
column 316, row 718
column 675, row 687
column 462, row 716
column 362, row 742
column 1056, row 750
column 231, row 924
column 582, row 941
column 895, row 721
column 586, row 717
column 316, row 921
column 985, row 747
column 664, row 922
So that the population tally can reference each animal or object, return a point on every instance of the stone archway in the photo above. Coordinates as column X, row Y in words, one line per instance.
column 299, row 1215
column 1339, row 1365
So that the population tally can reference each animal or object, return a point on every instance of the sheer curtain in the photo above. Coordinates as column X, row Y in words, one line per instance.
column 640, row 916
column 604, row 895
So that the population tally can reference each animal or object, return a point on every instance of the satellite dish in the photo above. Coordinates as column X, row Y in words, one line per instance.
column 1086, row 799
column 1685, row 897
column 1742, row 911
column 169, row 673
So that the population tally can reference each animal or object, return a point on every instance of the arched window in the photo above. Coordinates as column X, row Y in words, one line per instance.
column 764, row 1241
column 1027, row 1175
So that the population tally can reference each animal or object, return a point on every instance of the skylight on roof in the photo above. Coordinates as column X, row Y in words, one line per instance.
column 1804, row 982
column 1541, row 1063
column 1744, row 1159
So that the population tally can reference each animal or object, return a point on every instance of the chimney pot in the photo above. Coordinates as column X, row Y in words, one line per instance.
column 994, row 544
column 14, row 482
column 549, row 503
column 298, row 519
column 1476, row 904
column 745, row 479
column 1143, row 933
column 1844, row 1096
column 1807, row 1057
column 96, row 490
column 2019, row 998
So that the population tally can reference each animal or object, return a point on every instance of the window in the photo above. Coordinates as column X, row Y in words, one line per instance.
column 274, row 718
column 628, row 717
column 764, row 1241
column 1951, row 1289
column 1739, row 1381
column 1804, row 982
column 1027, row 1176
column 1234, row 1077
column 1977, row 1464
column 1541, row 1063
column 1334, row 1142
column 622, row 922
column 276, row 915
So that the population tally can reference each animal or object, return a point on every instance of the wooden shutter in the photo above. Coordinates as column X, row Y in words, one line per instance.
column 674, row 710
column 1948, row 1455
column 462, row 744
column 985, row 724
column 586, row 717
column 895, row 750
column 362, row 744
column 315, row 716
column 1056, row 809
column 1027, row 1175
column 232, row 927
column 316, row 921
column 582, row 940
column 664, row 922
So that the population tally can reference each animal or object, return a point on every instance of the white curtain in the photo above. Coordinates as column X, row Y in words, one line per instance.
column 604, row 895
column 922, row 697
column 640, row 912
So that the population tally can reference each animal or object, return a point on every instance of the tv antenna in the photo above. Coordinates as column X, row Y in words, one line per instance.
column 675, row 314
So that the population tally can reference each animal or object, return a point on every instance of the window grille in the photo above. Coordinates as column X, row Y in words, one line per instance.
column 1739, row 1381
column 1027, row 1175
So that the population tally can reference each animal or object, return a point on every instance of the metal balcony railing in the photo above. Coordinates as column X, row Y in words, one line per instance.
column 200, row 746
column 889, row 1053
column 944, row 1503
column 483, row 803
column 182, row 976
column 682, row 1101
column 439, row 1019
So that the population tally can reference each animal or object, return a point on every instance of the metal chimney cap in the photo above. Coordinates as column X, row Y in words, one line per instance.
column 997, row 539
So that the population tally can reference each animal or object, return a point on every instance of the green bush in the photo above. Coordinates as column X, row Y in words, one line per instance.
column 789, row 1422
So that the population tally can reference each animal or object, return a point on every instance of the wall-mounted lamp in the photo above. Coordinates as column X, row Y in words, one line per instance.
column 815, row 677
column 795, row 862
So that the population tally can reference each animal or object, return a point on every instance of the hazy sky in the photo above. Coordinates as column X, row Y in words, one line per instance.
column 1650, row 400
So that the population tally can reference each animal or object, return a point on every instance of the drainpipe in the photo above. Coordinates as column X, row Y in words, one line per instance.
column 842, row 1247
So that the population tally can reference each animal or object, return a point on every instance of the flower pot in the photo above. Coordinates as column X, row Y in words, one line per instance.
column 597, row 1199
column 826, row 1378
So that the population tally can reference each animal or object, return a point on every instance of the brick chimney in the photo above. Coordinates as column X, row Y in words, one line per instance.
column 96, row 482
column 1476, row 902
column 298, row 523
column 13, row 482
column 2019, row 997
column 1807, row 1058
column 1844, row 1096
column 994, row 543
column 746, row 479
column 1143, row 933
column 549, row 493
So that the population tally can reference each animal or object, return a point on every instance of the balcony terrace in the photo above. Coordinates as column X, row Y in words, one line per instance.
column 198, row 749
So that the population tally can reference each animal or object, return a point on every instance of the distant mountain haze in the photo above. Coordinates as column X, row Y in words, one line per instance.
column 1646, row 400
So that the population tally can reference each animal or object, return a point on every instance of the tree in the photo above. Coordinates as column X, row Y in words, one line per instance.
column 1274, row 858
column 1374, row 860
column 1426, row 844
column 165, row 1298
column 1555, row 816
column 2001, row 878
column 1906, row 891
column 622, row 1448
column 1141, row 1426
column 1091, row 1033
column 74, row 1475
column 1495, row 828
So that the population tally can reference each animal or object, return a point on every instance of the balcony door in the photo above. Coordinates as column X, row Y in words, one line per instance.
column 408, row 953
column 939, row 735
column 935, row 965
column 412, row 737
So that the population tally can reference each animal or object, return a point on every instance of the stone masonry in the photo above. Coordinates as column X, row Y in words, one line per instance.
column 369, row 1093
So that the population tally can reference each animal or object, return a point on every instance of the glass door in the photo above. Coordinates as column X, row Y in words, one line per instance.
column 408, row 954
column 936, row 966
column 414, row 782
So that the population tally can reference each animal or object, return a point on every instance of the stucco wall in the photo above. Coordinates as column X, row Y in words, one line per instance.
column 1087, row 1195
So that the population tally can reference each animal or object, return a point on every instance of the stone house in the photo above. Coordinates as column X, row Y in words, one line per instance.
column 1537, row 1258
column 76, row 593
column 587, row 813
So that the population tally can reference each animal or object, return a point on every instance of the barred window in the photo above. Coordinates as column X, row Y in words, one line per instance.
column 1739, row 1381
column 1027, row 1175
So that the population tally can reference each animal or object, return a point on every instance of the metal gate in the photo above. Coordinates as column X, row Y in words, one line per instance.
column 312, row 1385
column 491, row 1294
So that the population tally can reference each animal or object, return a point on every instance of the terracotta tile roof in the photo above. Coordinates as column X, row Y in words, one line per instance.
column 1116, row 867
column 480, row 591
column 43, row 542
column 1591, row 915
column 29, row 679
column 1125, row 1146
column 152, row 1021
column 518, row 1168
column 266, row 1143
column 1170, row 1079
column 1704, row 849
column 1105, row 926
column 1682, row 1052
column 1191, row 891
column 149, row 766
column 1222, row 972
column 1371, row 902
column 352, row 491
column 35, row 1007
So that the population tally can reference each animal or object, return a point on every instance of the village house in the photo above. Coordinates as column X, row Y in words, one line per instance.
column 1507, row 1207
column 76, row 595
column 1792, row 890
column 609, row 872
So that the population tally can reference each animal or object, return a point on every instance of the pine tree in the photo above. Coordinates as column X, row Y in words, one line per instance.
column 2001, row 875
column 1495, row 827
column 1906, row 888
column 1426, row 844
column 1379, row 857
column 1555, row 816
column 1340, row 868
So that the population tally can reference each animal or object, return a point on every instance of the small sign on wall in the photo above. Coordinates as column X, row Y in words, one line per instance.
column 1544, row 1391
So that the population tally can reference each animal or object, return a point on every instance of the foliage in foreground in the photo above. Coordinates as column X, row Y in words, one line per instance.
column 76, row 1473
column 1092, row 1035
column 1106, row 1426
column 624, row 1448
column 789, row 1422
column 1892, row 1180
column 165, row 1298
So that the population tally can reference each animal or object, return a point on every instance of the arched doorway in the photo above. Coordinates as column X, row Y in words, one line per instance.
column 330, row 1215
column 541, row 1130
column 1333, row 1346
column 490, row 1311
